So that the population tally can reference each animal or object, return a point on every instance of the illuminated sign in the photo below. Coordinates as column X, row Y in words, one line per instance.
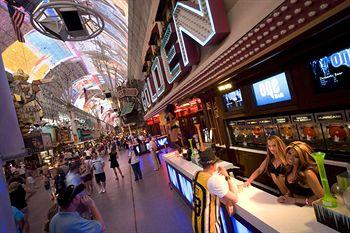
column 227, row 86
column 281, row 120
column 303, row 118
column 331, row 72
column 330, row 116
column 186, row 188
column 272, row 90
column 206, row 24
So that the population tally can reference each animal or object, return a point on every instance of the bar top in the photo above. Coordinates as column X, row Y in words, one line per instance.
column 260, row 208
column 188, row 168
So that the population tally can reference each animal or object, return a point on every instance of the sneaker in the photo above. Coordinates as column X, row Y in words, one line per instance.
column 136, row 179
column 122, row 176
column 101, row 191
column 104, row 190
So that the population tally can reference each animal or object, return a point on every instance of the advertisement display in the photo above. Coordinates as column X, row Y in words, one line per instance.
column 309, row 131
column 272, row 90
column 332, row 72
column 287, row 131
column 232, row 100
column 335, row 130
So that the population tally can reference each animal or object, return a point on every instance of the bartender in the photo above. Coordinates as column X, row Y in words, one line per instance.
column 301, row 178
column 173, row 126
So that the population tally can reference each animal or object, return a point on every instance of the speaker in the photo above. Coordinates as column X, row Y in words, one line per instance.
column 73, row 22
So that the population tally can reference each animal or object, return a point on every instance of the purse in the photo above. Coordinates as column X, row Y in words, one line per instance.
column 129, row 161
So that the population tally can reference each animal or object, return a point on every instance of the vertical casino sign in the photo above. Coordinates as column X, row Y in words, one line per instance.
column 193, row 24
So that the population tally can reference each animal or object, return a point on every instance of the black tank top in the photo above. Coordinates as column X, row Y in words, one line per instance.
column 297, row 189
column 279, row 170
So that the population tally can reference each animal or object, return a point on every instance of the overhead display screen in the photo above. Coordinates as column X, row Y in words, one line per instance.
column 232, row 100
column 333, row 71
column 272, row 90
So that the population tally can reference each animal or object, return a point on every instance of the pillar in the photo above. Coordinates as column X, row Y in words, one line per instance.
column 11, row 146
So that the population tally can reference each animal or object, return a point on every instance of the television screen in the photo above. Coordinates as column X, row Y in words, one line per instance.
column 272, row 90
column 232, row 100
column 333, row 71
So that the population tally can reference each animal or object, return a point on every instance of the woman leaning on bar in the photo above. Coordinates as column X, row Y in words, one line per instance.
column 274, row 164
column 301, row 176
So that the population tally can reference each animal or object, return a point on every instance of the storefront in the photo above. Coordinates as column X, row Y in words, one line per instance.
column 279, row 68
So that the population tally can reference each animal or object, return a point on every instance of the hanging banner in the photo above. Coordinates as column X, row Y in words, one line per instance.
column 127, row 92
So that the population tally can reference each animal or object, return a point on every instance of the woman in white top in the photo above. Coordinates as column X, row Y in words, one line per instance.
column 134, row 160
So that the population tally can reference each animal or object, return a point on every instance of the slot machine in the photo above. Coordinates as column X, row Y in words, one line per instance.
column 309, row 131
column 287, row 131
column 257, row 134
column 268, row 126
column 238, row 133
column 335, row 130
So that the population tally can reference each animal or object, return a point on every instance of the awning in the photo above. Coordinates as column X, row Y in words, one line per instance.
column 127, row 108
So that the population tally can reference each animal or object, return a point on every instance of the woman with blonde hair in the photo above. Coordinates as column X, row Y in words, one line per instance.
column 274, row 163
column 301, row 177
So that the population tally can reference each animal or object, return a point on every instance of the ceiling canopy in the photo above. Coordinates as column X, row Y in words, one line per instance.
column 97, row 65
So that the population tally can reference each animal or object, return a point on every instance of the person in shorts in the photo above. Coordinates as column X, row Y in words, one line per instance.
column 98, row 165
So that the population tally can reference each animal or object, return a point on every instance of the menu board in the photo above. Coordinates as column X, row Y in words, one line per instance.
column 287, row 131
column 332, row 72
column 309, row 131
column 335, row 130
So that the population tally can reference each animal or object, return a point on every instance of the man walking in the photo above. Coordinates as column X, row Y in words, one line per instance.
column 98, row 166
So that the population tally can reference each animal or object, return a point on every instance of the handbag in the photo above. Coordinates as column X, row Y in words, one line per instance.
column 129, row 161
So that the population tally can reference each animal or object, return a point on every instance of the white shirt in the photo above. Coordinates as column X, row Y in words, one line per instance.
column 217, row 185
column 97, row 165
column 73, row 179
column 134, row 157
column 153, row 146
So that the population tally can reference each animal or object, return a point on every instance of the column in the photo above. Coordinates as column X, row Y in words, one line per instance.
column 11, row 146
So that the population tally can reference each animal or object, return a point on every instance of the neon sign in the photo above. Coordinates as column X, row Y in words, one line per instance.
column 341, row 58
column 206, row 24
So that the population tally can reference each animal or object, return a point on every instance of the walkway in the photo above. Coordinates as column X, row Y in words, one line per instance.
column 146, row 206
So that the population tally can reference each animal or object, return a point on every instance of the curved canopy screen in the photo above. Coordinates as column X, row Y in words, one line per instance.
column 102, row 60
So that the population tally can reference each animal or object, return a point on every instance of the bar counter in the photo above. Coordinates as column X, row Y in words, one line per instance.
column 256, row 210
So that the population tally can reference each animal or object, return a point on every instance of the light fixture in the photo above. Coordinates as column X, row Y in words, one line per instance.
column 225, row 87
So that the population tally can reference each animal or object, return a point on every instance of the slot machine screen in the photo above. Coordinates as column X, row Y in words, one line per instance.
column 287, row 130
column 233, row 100
column 309, row 131
column 335, row 130
column 332, row 72
column 272, row 90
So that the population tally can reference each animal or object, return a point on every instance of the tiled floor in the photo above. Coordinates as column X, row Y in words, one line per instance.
column 146, row 206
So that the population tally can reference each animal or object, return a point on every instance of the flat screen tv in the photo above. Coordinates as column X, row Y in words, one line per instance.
column 272, row 90
column 232, row 100
column 333, row 71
